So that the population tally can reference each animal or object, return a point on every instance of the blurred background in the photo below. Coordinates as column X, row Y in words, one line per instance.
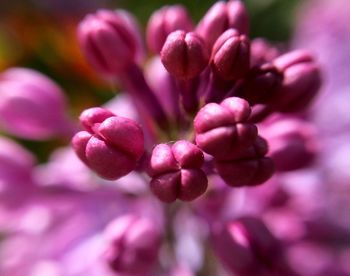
column 41, row 34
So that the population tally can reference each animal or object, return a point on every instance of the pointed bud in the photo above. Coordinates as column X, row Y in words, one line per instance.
column 246, row 166
column 165, row 21
column 230, row 55
column 184, row 55
column 176, row 172
column 132, row 244
column 222, row 128
column 32, row 106
column 220, row 17
column 260, row 85
column 109, row 41
column 302, row 80
column 106, row 146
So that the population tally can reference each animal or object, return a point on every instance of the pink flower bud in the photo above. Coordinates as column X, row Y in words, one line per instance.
column 302, row 80
column 246, row 166
column 111, row 146
column 32, row 106
column 176, row 172
column 247, row 247
column 261, row 51
column 292, row 143
column 220, row 17
column 260, row 85
column 16, row 165
column 132, row 244
column 222, row 128
column 184, row 55
column 231, row 55
column 165, row 21
column 110, row 41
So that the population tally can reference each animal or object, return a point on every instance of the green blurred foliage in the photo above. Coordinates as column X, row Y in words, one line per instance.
column 272, row 19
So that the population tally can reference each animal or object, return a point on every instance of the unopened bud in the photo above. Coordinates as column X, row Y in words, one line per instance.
column 184, row 55
column 176, row 172
column 132, row 244
column 106, row 147
column 222, row 128
column 230, row 55
column 246, row 166
column 260, row 85
column 302, row 80
column 109, row 42
column 165, row 21
column 220, row 17
column 32, row 106
column 261, row 51
column 292, row 143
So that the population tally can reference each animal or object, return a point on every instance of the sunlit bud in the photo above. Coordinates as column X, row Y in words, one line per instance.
column 111, row 146
column 184, row 55
column 223, row 128
column 230, row 55
column 176, row 172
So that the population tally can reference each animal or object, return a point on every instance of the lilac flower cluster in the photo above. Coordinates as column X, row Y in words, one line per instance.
column 217, row 87
column 212, row 112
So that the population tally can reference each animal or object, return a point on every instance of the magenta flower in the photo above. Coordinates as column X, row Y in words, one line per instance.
column 184, row 55
column 197, row 125
column 109, row 40
column 176, row 172
column 247, row 247
column 165, row 21
column 106, row 146
column 32, row 106
column 231, row 55
column 221, row 129
column 132, row 244
column 222, row 16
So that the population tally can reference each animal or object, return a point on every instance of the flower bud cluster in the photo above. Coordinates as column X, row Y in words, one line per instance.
column 219, row 85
